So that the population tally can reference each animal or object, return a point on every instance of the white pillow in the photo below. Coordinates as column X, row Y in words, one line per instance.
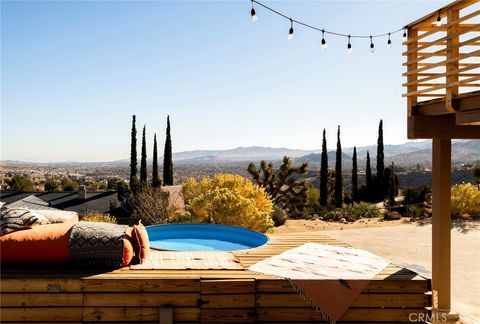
column 58, row 216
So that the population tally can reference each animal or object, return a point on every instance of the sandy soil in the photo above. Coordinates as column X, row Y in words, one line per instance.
column 303, row 225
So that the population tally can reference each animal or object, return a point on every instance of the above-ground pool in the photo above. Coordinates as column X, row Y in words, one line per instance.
column 203, row 237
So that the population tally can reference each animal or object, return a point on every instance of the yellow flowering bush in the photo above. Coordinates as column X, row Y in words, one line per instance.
column 228, row 199
column 466, row 200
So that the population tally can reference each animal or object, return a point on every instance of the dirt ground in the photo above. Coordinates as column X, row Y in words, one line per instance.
column 303, row 225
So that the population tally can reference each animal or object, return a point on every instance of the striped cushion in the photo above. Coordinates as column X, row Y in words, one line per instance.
column 14, row 219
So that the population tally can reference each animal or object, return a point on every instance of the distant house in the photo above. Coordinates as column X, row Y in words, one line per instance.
column 79, row 201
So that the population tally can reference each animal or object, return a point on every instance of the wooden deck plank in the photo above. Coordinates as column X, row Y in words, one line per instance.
column 209, row 296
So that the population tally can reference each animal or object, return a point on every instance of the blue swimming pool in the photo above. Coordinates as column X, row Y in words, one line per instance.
column 203, row 237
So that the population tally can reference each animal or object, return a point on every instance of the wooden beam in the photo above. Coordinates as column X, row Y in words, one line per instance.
column 441, row 209
column 444, row 127
column 468, row 117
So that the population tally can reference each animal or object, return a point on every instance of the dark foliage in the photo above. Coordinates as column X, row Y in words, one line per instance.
column 338, row 173
column 167, row 158
column 324, row 173
column 354, row 176
column 143, row 161
column 133, row 153
column 155, row 178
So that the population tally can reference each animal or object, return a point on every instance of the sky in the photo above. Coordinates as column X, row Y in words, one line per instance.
column 73, row 73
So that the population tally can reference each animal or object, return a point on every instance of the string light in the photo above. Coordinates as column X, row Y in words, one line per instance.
column 290, row 32
column 253, row 14
column 324, row 42
column 439, row 20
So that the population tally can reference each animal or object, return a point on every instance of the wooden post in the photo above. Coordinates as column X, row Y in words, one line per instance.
column 452, row 53
column 441, row 205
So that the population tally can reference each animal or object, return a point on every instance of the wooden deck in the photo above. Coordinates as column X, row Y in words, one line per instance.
column 209, row 296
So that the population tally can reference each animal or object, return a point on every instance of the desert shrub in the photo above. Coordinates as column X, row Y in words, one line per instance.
column 415, row 195
column 360, row 210
column 100, row 218
column 415, row 211
column 149, row 204
column 312, row 203
column 228, row 199
column 279, row 216
column 465, row 200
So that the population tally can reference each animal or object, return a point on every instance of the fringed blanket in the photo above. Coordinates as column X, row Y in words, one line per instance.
column 99, row 244
column 328, row 277
column 190, row 260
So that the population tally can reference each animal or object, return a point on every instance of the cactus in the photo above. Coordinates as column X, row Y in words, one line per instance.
column 288, row 193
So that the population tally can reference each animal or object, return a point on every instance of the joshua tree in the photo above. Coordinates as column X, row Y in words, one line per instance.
column 155, row 178
column 167, row 158
column 133, row 155
column 143, row 161
column 354, row 176
column 338, row 173
column 286, row 192
column 324, row 173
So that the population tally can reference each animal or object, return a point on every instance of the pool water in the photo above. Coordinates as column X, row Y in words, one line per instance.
column 203, row 237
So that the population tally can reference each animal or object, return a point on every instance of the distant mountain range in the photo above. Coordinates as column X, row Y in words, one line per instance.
column 409, row 153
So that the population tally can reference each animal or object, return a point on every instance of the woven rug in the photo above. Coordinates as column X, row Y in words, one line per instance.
column 328, row 277
column 197, row 260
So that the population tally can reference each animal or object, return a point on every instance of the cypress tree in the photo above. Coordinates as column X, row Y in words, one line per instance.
column 155, row 178
column 143, row 161
column 354, row 176
column 368, row 174
column 324, row 173
column 133, row 153
column 380, row 155
column 167, row 158
column 338, row 173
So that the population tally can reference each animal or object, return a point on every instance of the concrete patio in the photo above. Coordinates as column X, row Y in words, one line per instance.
column 410, row 246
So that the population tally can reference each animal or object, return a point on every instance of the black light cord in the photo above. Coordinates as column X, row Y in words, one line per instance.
column 325, row 31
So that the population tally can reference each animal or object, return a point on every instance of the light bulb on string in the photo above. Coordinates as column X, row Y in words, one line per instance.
column 438, row 23
column 349, row 46
column 253, row 14
column 372, row 46
column 324, row 42
column 290, row 32
column 404, row 37
column 389, row 41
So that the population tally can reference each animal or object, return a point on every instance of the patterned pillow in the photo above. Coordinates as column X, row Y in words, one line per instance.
column 14, row 219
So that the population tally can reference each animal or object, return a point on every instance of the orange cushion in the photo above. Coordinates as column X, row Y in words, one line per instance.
column 40, row 244
column 128, row 252
column 140, row 242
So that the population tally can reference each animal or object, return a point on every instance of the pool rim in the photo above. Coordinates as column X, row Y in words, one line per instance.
column 208, row 224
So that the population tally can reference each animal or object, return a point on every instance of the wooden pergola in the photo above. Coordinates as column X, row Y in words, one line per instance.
column 443, row 99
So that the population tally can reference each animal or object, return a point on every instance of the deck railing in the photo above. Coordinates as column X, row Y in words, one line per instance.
column 443, row 61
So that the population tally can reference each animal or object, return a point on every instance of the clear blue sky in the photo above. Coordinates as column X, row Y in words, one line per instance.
column 73, row 73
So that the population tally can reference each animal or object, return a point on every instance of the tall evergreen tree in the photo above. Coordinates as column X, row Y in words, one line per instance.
column 338, row 173
column 167, row 158
column 368, row 174
column 324, row 173
column 380, row 155
column 133, row 153
column 143, row 161
column 155, row 178
column 354, row 176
